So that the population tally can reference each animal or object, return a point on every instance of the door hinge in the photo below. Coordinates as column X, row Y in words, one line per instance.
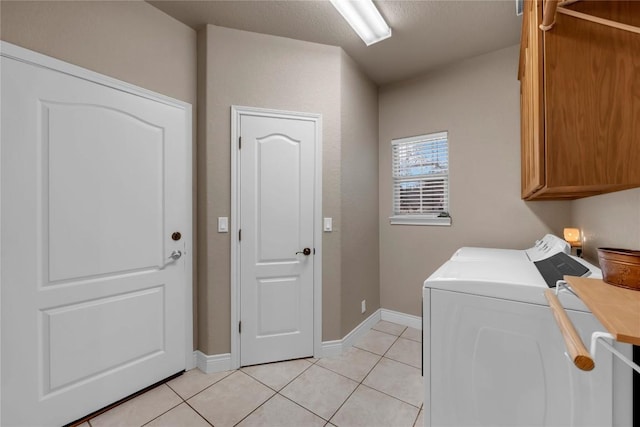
column 240, row 327
column 240, row 143
column 240, row 234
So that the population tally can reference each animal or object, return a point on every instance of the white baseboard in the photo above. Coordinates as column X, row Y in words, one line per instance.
column 210, row 364
column 359, row 331
column 222, row 362
column 401, row 318
column 337, row 347
column 331, row 348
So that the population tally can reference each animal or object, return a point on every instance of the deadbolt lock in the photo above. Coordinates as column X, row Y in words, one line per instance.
column 176, row 236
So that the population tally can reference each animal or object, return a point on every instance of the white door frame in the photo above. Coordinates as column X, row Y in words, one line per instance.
column 236, row 112
column 9, row 50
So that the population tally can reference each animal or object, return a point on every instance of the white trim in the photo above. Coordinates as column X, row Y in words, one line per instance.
column 18, row 53
column 419, row 220
column 359, row 331
column 435, row 136
column 211, row 364
column 331, row 348
column 426, row 355
column 236, row 112
column 337, row 347
column 188, row 241
column 1, row 50
column 401, row 318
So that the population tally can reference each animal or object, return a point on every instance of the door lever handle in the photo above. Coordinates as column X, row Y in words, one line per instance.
column 305, row 252
column 175, row 255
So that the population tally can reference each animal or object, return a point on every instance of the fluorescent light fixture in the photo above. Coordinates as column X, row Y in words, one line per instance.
column 364, row 18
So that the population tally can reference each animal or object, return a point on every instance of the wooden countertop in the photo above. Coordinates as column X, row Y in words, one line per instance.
column 618, row 309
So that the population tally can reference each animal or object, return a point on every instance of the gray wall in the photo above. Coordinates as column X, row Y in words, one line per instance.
column 477, row 101
column 250, row 69
column 131, row 40
column 359, row 193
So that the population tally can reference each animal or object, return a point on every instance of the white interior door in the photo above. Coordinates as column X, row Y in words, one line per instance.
column 93, row 186
column 276, row 220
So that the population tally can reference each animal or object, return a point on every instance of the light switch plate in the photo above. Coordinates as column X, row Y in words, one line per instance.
column 223, row 224
column 328, row 224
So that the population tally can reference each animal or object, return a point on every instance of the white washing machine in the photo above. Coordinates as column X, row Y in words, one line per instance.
column 493, row 355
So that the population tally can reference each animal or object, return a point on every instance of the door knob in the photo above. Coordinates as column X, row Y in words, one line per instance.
column 305, row 252
column 175, row 255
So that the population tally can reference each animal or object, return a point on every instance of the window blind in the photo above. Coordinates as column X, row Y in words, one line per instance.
column 421, row 175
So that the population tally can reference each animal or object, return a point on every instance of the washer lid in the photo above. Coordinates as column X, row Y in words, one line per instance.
column 477, row 254
column 505, row 279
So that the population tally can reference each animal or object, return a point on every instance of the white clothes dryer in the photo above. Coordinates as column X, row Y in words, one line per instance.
column 493, row 355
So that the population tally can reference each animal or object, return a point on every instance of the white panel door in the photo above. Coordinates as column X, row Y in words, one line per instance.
column 276, row 211
column 93, row 186
column 501, row 363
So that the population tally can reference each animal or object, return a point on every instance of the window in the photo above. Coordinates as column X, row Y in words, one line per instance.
column 421, row 180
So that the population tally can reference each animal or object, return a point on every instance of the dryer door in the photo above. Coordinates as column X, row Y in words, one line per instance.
column 501, row 363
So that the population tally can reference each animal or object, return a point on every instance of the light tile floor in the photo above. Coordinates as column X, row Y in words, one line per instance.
column 375, row 383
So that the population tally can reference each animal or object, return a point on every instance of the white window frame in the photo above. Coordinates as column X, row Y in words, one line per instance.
column 420, row 219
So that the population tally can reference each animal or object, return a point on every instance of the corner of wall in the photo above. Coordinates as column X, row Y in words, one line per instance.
column 201, row 303
column 360, row 279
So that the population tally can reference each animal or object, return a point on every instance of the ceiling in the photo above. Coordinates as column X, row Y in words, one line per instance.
column 426, row 33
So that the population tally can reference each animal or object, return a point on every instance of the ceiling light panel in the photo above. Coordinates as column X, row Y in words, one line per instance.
column 364, row 18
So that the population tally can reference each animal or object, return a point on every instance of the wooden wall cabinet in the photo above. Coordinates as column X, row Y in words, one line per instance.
column 580, row 101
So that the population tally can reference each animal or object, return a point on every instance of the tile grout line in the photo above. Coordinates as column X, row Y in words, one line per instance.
column 285, row 386
column 384, row 356
column 258, row 407
column 173, row 407
column 199, row 414
column 190, row 397
column 416, row 420
column 391, row 396
column 303, row 407
column 210, row 385
column 276, row 392
column 363, row 378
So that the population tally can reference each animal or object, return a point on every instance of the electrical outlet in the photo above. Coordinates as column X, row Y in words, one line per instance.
column 364, row 305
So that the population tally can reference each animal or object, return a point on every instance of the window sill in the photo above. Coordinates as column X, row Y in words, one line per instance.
column 419, row 220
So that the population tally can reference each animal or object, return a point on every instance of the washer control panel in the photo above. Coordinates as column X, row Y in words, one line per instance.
column 548, row 246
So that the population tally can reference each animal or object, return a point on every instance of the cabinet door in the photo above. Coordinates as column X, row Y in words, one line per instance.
column 531, row 101
column 592, row 92
column 496, row 362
